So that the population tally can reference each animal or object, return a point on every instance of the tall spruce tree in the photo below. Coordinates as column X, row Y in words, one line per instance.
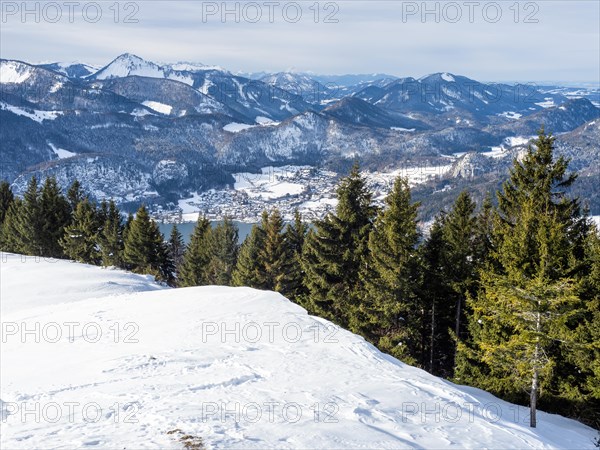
column 26, row 224
column 459, row 235
column 75, row 194
column 145, row 250
column 6, row 198
column 80, row 239
column 196, row 256
column 273, row 256
column 524, row 312
column 295, row 235
column 223, row 248
column 176, row 248
column 111, row 237
column 55, row 215
column 334, row 253
column 248, row 264
column 484, row 225
column 10, row 237
column 391, row 314
column 434, row 290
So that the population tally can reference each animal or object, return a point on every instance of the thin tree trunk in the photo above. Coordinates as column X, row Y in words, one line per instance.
column 535, row 381
column 431, row 345
column 457, row 327
column 533, row 400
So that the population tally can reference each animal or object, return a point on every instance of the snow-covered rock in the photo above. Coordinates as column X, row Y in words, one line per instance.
column 120, row 362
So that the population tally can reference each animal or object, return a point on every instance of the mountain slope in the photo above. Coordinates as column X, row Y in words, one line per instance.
column 71, row 70
column 278, row 379
column 359, row 112
column 249, row 98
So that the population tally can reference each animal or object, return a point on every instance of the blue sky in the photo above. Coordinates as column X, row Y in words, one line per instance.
column 534, row 41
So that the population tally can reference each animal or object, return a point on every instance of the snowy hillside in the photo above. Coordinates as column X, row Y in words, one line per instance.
column 140, row 366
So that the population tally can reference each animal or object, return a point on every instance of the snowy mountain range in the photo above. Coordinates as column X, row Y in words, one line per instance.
column 128, row 363
column 138, row 131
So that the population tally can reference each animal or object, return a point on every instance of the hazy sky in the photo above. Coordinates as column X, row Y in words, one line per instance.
column 503, row 40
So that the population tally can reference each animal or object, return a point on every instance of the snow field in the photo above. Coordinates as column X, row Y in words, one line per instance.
column 140, row 365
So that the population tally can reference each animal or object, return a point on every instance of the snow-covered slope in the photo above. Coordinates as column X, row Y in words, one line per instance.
column 71, row 70
column 233, row 367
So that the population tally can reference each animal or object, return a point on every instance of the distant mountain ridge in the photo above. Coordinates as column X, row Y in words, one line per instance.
column 183, row 127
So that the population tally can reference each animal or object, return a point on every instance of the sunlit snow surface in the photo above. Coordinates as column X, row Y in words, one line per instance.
column 33, row 114
column 14, row 72
column 236, row 367
column 158, row 107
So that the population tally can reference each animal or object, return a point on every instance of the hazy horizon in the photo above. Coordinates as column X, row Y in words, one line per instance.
column 496, row 41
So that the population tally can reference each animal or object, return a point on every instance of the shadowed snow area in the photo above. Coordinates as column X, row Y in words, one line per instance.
column 141, row 365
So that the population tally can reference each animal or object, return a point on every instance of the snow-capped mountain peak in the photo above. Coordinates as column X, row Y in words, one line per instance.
column 129, row 64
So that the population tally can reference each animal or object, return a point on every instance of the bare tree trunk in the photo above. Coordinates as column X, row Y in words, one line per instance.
column 431, row 345
column 535, row 381
column 457, row 326
column 533, row 399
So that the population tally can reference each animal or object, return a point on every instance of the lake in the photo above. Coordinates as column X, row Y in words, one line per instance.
column 187, row 228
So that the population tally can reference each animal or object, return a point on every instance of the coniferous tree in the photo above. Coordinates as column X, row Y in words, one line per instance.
column 127, row 225
column 295, row 235
column 196, row 256
column 246, row 271
column 273, row 256
column 80, row 239
column 145, row 250
column 10, row 238
column 434, row 289
column 75, row 194
column 55, row 215
column 459, row 236
column 111, row 237
column 6, row 198
column 391, row 315
column 26, row 224
column 524, row 313
column 176, row 247
column 336, row 250
column 223, row 249
column 484, row 224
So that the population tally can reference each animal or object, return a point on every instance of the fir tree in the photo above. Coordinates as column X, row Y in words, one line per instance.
column 223, row 248
column 10, row 238
column 55, row 215
column 176, row 247
column 80, row 238
column 75, row 194
column 248, row 264
column 26, row 224
column 434, row 290
column 484, row 224
column 391, row 314
column 145, row 250
column 295, row 235
column 273, row 257
column 334, row 253
column 523, row 314
column 111, row 237
column 196, row 256
column 127, row 225
column 459, row 236
column 6, row 198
